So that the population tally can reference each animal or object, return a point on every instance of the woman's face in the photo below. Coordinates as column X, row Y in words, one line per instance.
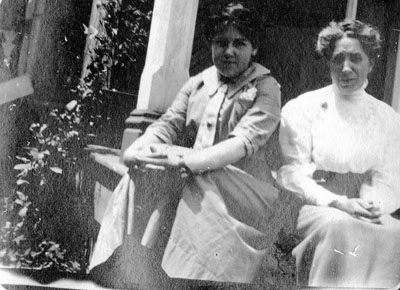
column 231, row 52
column 349, row 65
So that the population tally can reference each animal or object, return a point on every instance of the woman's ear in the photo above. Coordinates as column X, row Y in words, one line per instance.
column 254, row 52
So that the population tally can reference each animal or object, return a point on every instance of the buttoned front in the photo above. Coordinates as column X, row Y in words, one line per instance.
column 208, row 125
column 250, row 117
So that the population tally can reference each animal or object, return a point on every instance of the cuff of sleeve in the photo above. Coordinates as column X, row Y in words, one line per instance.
column 332, row 200
column 318, row 195
column 248, row 143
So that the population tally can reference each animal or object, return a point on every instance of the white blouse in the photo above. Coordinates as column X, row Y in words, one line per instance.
column 323, row 130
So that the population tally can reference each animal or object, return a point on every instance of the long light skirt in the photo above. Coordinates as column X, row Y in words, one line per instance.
column 219, row 230
column 339, row 250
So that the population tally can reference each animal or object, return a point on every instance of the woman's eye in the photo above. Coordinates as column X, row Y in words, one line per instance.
column 338, row 59
column 239, row 43
column 356, row 57
column 220, row 42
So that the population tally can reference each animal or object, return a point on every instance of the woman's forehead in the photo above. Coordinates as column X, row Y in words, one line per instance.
column 230, row 32
column 347, row 44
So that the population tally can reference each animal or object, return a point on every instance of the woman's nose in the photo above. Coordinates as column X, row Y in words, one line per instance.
column 229, row 50
column 346, row 66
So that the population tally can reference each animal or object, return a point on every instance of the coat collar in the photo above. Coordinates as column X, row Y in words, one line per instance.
column 212, row 81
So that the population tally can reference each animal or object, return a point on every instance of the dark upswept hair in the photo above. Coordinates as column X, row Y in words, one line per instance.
column 367, row 34
column 244, row 19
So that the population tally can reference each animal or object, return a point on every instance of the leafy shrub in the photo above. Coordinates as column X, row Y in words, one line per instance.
column 47, row 203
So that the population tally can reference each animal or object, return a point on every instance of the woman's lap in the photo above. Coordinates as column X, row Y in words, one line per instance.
column 218, row 229
column 339, row 250
column 218, row 232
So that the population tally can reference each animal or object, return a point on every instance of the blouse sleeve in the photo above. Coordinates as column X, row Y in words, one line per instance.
column 385, row 187
column 172, row 122
column 296, row 143
column 262, row 118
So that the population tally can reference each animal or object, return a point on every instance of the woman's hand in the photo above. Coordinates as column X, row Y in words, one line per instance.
column 155, row 156
column 360, row 209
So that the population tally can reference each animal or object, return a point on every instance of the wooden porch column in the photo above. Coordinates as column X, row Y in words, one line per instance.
column 351, row 9
column 167, row 63
column 396, row 81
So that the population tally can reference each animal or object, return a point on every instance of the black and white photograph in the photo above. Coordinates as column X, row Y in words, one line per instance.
column 199, row 144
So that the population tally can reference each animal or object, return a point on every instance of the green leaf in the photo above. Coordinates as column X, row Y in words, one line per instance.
column 35, row 154
column 23, row 211
column 19, row 239
column 3, row 252
column 22, row 159
column 18, row 201
column 34, row 254
column 12, row 257
column 23, row 166
column 21, row 196
column 21, row 181
column 57, row 170
column 44, row 127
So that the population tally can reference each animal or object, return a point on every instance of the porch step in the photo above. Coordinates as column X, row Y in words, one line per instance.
column 12, row 279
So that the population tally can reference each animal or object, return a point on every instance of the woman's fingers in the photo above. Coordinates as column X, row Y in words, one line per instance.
column 153, row 159
column 360, row 211
column 374, row 211
column 370, row 220
column 154, row 167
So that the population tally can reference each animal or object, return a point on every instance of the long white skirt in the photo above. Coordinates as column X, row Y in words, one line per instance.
column 339, row 250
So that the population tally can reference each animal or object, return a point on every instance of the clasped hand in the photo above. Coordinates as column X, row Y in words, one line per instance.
column 153, row 156
column 361, row 209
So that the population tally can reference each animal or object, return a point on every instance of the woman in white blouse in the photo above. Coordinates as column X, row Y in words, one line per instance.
column 342, row 157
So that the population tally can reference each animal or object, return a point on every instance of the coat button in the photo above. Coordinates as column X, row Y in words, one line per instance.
column 209, row 124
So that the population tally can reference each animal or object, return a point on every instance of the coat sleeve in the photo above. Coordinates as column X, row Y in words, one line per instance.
column 172, row 122
column 261, row 119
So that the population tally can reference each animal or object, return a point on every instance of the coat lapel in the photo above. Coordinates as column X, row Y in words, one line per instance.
column 212, row 82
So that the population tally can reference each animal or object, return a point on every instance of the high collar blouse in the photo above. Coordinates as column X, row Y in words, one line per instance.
column 324, row 130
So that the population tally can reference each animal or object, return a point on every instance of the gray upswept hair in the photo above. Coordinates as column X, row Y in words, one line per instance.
column 368, row 36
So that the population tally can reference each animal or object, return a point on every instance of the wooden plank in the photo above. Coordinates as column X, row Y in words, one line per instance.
column 15, row 88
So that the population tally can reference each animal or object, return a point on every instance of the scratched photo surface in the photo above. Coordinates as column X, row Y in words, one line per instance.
column 80, row 81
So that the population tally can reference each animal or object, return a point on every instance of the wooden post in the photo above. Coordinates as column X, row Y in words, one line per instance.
column 167, row 62
column 396, row 81
column 94, row 22
column 351, row 9
column 168, row 53
column 34, row 11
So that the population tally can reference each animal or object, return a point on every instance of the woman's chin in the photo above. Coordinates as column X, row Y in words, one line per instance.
column 347, row 89
column 229, row 74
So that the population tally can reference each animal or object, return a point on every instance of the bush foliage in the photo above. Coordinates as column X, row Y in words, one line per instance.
column 41, row 216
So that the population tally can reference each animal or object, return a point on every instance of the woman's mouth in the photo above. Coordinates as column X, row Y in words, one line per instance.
column 346, row 82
